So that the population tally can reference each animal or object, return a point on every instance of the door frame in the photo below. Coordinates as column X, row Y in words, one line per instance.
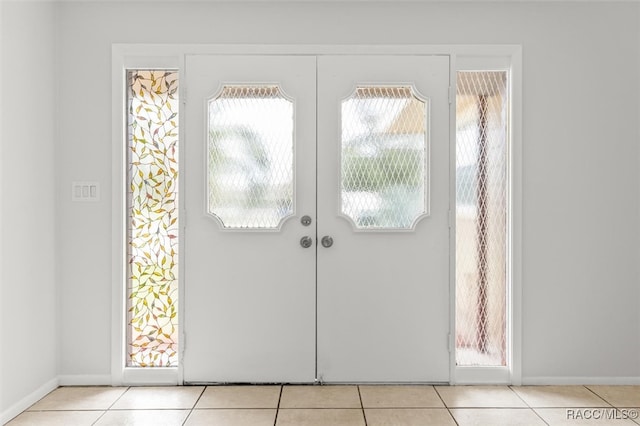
column 461, row 57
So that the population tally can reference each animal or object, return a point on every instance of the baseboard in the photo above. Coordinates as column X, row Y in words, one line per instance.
column 85, row 380
column 28, row 401
column 555, row 380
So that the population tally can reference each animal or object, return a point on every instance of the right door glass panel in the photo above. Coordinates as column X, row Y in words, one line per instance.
column 481, row 217
column 384, row 158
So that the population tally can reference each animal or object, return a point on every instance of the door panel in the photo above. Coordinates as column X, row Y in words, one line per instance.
column 383, row 288
column 249, row 285
column 380, row 292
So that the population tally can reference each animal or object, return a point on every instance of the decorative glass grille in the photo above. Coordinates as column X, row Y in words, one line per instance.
column 481, row 220
column 250, row 157
column 152, row 206
column 384, row 157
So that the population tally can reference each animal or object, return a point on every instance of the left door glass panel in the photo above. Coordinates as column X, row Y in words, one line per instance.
column 152, row 221
column 250, row 157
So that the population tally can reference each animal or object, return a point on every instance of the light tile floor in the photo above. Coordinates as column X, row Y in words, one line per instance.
column 336, row 406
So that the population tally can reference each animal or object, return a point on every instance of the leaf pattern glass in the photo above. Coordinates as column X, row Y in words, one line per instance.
column 384, row 158
column 152, row 205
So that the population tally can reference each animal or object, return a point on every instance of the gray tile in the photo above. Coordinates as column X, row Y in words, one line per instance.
column 232, row 417
column 160, row 397
column 56, row 418
column 143, row 418
column 480, row 397
column 320, row 397
column 399, row 397
column 496, row 417
column 619, row 396
column 408, row 417
column 240, row 397
column 559, row 396
column 79, row 398
column 320, row 417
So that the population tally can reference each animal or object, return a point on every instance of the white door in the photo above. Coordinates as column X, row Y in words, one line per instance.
column 383, row 185
column 249, row 310
column 370, row 301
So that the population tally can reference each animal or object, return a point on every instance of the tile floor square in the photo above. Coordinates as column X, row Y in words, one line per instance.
column 559, row 396
column 240, row 397
column 619, row 396
column 232, row 417
column 143, row 418
column 56, row 418
column 320, row 397
column 496, row 417
column 159, row 397
column 399, row 397
column 79, row 398
column 321, row 417
column 408, row 417
column 480, row 397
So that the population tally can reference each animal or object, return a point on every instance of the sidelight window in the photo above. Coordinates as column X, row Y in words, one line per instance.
column 482, row 106
column 152, row 222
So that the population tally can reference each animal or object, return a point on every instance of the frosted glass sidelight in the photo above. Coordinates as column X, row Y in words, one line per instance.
column 384, row 158
column 152, row 228
column 250, row 157
column 481, row 219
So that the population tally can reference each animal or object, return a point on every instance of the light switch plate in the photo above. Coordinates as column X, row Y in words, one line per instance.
column 85, row 191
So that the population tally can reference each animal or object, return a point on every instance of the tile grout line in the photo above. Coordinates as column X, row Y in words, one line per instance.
column 527, row 404
column 596, row 394
column 364, row 415
column 445, row 405
column 111, row 406
column 275, row 421
column 194, row 406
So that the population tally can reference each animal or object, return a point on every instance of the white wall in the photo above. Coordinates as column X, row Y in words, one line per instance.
column 28, row 305
column 581, row 158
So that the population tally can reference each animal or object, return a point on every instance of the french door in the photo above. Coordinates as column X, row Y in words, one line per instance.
column 317, row 239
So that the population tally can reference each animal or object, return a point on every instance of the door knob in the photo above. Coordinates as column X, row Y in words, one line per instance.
column 306, row 242
column 326, row 241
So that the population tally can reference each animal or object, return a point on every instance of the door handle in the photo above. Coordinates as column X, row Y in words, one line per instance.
column 326, row 241
column 306, row 242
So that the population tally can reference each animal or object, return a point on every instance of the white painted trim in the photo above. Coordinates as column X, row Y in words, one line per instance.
column 363, row 2
column 119, row 63
column 498, row 59
column 173, row 56
column 84, row 380
column 482, row 376
column 26, row 402
column 160, row 376
column 176, row 50
column 453, row 65
column 578, row 380
column 515, row 315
